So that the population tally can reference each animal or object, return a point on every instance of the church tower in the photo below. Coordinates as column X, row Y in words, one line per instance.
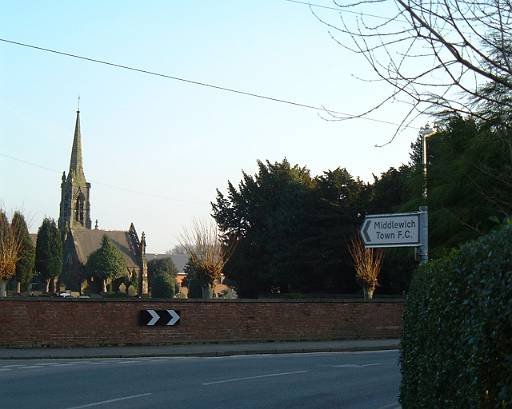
column 75, row 208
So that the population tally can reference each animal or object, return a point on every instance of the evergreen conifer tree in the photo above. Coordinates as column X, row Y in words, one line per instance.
column 49, row 253
column 106, row 263
column 161, row 275
column 25, row 264
column 163, row 286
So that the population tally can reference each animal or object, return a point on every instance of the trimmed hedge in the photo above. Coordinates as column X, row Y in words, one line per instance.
column 457, row 335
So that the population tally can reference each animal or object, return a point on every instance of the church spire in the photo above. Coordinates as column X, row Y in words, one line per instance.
column 75, row 207
column 76, row 168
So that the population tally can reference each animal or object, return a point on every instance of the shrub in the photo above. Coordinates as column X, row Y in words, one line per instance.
column 195, row 288
column 106, row 263
column 163, row 286
column 457, row 337
column 132, row 291
column 161, row 266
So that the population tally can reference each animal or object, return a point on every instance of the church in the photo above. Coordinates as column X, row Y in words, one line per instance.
column 80, row 240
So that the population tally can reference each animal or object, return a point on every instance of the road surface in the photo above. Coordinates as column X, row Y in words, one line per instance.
column 345, row 380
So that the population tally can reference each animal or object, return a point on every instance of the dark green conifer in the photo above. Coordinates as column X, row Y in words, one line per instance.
column 49, row 253
column 25, row 263
column 106, row 263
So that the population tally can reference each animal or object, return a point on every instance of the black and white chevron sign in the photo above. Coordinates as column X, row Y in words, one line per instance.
column 159, row 317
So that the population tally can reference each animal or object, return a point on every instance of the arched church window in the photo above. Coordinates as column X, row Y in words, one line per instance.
column 79, row 217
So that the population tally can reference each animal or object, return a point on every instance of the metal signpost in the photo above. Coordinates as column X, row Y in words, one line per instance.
column 398, row 230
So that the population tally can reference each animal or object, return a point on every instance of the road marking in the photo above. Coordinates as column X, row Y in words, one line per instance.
column 37, row 366
column 30, row 367
column 391, row 406
column 354, row 365
column 253, row 377
column 104, row 402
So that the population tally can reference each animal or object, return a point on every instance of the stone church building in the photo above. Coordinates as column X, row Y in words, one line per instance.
column 80, row 240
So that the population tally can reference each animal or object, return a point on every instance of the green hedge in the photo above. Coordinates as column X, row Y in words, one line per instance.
column 457, row 337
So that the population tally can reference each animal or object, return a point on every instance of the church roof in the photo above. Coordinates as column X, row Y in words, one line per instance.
column 88, row 241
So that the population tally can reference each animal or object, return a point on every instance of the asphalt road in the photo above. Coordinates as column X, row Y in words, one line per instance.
column 344, row 380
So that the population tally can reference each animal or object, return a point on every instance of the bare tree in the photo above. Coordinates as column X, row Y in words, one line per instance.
column 10, row 248
column 367, row 263
column 440, row 55
column 206, row 252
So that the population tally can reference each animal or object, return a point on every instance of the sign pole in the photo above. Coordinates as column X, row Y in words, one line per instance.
column 423, row 248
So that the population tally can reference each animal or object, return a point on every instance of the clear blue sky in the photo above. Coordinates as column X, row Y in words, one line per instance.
column 169, row 145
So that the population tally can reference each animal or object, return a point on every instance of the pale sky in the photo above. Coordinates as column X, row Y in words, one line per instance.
column 155, row 150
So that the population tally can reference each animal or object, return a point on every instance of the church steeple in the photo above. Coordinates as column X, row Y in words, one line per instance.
column 75, row 205
column 76, row 168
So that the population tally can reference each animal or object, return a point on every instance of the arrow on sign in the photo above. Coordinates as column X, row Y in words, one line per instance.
column 174, row 317
column 366, row 237
column 154, row 317
column 159, row 317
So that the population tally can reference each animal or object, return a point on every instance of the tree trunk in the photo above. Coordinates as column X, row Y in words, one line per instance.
column 3, row 288
column 52, row 288
column 104, row 285
column 370, row 293
column 47, row 285
column 207, row 291
column 18, row 287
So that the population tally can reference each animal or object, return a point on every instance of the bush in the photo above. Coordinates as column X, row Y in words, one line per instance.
column 457, row 337
column 195, row 288
column 132, row 291
column 163, row 286
column 160, row 266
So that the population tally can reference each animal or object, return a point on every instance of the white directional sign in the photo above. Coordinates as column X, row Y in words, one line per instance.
column 159, row 317
column 391, row 230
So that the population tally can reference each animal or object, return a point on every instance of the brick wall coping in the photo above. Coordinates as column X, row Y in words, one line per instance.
column 188, row 301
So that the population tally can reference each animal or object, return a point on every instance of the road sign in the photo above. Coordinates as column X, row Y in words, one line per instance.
column 391, row 230
column 159, row 317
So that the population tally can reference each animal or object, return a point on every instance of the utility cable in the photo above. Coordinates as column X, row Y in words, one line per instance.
column 124, row 189
column 342, row 115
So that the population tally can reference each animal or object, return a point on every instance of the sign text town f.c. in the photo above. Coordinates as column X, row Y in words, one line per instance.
column 391, row 230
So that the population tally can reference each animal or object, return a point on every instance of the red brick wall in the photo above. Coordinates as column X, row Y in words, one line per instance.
column 72, row 322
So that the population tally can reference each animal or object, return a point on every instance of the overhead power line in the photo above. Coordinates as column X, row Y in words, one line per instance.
column 342, row 115
column 96, row 182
